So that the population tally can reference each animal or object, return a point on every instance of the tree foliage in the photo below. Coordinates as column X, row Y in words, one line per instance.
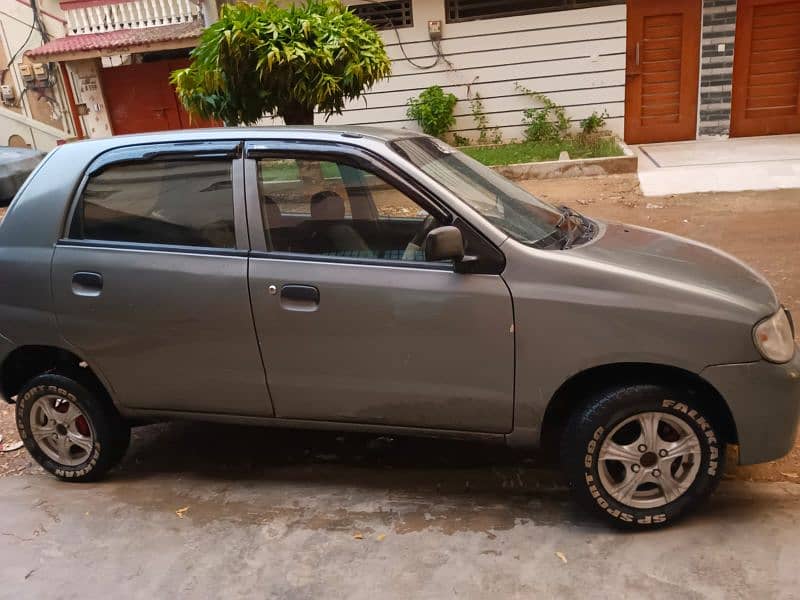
column 261, row 59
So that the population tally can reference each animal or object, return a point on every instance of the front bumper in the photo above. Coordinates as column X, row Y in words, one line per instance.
column 764, row 399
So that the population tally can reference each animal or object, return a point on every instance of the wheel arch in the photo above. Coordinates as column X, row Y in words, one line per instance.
column 572, row 393
column 26, row 362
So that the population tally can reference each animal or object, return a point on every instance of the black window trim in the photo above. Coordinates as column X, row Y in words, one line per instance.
column 352, row 261
column 146, row 247
column 166, row 151
column 361, row 158
column 387, row 24
column 500, row 14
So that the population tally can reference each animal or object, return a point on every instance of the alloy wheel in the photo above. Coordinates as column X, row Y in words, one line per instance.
column 649, row 460
column 62, row 430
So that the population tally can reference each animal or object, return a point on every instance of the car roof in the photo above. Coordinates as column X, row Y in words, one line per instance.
column 256, row 133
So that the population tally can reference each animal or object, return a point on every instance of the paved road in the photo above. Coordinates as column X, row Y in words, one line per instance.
column 277, row 515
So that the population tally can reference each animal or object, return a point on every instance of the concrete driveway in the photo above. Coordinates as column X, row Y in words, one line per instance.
column 720, row 165
column 202, row 511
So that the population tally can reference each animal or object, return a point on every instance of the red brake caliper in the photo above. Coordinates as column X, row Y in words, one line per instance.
column 82, row 425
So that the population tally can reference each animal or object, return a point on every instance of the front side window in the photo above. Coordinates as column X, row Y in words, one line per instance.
column 181, row 203
column 325, row 208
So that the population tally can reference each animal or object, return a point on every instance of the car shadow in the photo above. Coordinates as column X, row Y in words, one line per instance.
column 451, row 485
column 241, row 452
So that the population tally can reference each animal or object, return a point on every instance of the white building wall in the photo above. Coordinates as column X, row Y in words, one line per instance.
column 576, row 57
column 25, row 120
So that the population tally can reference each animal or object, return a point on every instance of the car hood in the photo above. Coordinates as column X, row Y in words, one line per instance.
column 681, row 263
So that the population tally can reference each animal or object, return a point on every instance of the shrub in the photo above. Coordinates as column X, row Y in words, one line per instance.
column 594, row 122
column 482, row 122
column 548, row 122
column 433, row 110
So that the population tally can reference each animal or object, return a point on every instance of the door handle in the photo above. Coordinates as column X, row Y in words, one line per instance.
column 634, row 70
column 304, row 298
column 86, row 283
column 303, row 293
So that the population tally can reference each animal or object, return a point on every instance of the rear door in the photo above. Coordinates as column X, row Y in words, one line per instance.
column 150, row 280
column 354, row 324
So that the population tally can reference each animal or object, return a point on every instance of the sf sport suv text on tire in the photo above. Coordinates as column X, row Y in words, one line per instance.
column 368, row 279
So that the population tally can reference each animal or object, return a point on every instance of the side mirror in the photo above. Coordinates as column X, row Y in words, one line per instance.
column 444, row 243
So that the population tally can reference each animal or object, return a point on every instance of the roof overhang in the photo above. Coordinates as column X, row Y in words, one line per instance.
column 121, row 41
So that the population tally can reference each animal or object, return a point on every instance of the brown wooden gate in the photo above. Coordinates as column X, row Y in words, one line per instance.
column 140, row 98
column 662, row 70
column 766, row 68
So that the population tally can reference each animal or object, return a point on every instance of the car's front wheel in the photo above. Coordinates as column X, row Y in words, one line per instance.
column 641, row 455
column 69, row 428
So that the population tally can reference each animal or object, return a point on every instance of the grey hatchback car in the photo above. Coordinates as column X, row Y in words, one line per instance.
column 374, row 280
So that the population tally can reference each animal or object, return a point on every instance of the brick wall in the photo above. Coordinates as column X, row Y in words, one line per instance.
column 716, row 66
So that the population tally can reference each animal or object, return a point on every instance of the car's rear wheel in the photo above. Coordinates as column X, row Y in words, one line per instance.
column 642, row 455
column 69, row 428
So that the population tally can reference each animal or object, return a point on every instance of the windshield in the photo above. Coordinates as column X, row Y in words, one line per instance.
column 506, row 205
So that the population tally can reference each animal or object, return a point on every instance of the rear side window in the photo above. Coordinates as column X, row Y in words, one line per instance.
column 181, row 203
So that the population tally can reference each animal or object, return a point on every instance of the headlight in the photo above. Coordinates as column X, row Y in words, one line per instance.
column 774, row 338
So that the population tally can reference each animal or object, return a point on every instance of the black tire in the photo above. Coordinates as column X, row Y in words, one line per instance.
column 589, row 427
column 110, row 433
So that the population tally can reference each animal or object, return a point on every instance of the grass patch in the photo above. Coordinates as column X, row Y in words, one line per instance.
column 523, row 152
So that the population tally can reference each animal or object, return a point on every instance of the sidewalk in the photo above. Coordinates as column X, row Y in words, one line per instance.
column 721, row 165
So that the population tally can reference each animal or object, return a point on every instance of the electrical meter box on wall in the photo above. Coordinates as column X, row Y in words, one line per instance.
column 435, row 30
column 26, row 72
column 7, row 94
column 40, row 74
column 34, row 74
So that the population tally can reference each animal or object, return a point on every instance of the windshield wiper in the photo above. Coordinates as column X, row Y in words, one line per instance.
column 574, row 225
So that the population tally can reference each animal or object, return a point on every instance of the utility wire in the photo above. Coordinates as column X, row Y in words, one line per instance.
column 36, row 25
column 437, row 45
column 14, row 56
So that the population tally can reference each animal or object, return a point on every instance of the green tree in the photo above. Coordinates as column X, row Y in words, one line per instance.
column 261, row 59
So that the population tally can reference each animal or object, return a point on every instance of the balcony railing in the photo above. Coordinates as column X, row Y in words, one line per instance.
column 96, row 18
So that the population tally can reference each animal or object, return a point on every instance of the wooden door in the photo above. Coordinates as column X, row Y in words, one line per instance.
column 140, row 98
column 766, row 68
column 187, row 120
column 662, row 70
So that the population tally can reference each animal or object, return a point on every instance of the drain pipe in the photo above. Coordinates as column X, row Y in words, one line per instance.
column 209, row 10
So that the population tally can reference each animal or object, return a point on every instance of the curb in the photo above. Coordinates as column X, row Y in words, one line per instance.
column 582, row 167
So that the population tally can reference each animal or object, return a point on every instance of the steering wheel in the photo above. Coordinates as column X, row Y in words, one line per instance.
column 419, row 238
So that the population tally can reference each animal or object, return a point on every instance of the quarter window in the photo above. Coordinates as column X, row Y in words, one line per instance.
column 333, row 209
column 471, row 10
column 182, row 203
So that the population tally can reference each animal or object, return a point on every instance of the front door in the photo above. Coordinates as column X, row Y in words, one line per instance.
column 140, row 98
column 150, row 281
column 662, row 70
column 766, row 68
column 354, row 324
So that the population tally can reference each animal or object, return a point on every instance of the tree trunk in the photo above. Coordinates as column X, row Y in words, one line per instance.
column 296, row 114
